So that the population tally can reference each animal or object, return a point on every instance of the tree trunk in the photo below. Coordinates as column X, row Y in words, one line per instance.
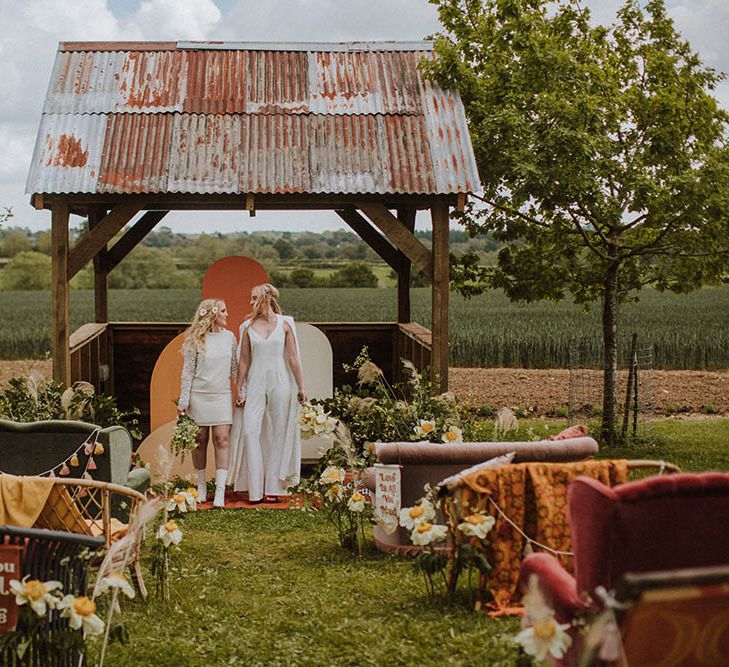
column 610, row 355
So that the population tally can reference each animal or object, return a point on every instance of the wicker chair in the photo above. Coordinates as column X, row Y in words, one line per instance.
column 50, row 555
column 85, row 507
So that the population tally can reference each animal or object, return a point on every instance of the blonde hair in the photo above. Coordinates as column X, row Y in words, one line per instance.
column 202, row 323
column 267, row 294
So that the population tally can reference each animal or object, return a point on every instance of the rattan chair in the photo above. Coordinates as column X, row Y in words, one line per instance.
column 88, row 507
column 50, row 555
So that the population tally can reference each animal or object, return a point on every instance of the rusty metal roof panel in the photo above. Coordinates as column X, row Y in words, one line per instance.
column 343, row 118
column 117, row 81
column 67, row 155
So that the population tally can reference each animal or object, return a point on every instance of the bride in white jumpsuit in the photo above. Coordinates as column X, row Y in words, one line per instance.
column 265, row 437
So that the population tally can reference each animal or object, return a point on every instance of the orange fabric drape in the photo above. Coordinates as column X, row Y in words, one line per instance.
column 534, row 498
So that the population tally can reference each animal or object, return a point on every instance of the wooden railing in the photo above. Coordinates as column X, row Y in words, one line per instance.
column 92, row 358
column 118, row 358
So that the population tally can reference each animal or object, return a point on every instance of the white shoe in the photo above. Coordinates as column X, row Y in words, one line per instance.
column 221, row 475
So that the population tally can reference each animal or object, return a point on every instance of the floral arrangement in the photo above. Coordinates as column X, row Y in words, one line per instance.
column 313, row 420
column 175, row 502
column 467, row 536
column 374, row 410
column 541, row 636
column 183, row 437
column 36, row 399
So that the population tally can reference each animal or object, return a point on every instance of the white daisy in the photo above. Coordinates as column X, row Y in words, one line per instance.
column 192, row 495
column 357, row 502
column 115, row 580
column 178, row 501
column 425, row 533
column 169, row 533
column 425, row 428
column 545, row 637
column 477, row 525
column 332, row 475
column 410, row 517
column 452, row 435
column 81, row 613
column 38, row 594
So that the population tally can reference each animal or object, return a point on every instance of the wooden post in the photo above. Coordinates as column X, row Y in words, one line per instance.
column 101, row 275
column 407, row 217
column 59, row 294
column 439, row 215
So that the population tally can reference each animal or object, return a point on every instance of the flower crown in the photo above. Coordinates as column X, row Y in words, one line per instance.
column 204, row 311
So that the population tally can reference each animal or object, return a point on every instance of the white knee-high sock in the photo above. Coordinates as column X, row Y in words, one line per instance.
column 202, row 486
column 220, row 476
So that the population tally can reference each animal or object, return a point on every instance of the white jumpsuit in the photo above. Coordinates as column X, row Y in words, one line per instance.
column 268, row 459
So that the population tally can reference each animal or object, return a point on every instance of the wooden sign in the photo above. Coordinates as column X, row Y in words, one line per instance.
column 387, row 496
column 9, row 570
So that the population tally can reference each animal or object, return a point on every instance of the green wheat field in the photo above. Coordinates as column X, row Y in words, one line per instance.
column 685, row 331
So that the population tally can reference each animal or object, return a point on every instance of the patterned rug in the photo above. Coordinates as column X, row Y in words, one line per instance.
column 239, row 500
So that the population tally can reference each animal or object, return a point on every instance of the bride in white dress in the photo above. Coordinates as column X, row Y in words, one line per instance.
column 265, row 439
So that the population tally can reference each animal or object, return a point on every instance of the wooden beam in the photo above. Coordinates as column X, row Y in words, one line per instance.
column 101, row 272
column 439, row 326
column 96, row 239
column 59, row 294
column 407, row 218
column 132, row 238
column 371, row 237
column 403, row 239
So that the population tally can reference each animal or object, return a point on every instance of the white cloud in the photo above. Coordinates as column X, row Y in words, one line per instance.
column 175, row 19
column 328, row 20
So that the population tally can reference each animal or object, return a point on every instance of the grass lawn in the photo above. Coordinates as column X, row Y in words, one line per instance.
column 267, row 587
column 272, row 587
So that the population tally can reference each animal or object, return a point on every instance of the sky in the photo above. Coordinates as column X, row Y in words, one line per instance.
column 31, row 30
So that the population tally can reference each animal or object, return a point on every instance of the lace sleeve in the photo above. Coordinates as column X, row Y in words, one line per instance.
column 234, row 361
column 188, row 372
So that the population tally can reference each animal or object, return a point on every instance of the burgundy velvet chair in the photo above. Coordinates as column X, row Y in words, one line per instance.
column 659, row 523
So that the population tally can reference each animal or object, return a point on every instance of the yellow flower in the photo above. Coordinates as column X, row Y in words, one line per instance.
column 36, row 593
column 356, row 502
column 332, row 475
column 81, row 612
column 426, row 532
column 115, row 580
column 477, row 525
column 169, row 534
column 452, row 435
column 178, row 501
column 410, row 517
column 425, row 428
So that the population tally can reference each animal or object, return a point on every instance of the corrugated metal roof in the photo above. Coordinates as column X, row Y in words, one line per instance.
column 210, row 118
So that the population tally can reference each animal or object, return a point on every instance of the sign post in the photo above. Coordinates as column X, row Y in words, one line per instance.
column 9, row 569
column 387, row 496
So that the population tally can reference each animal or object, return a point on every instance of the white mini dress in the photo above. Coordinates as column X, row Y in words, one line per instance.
column 205, row 389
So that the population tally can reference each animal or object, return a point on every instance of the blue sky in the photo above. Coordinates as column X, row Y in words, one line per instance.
column 32, row 29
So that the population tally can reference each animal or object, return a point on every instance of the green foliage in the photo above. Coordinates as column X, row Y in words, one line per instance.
column 374, row 411
column 355, row 274
column 27, row 270
column 151, row 268
column 37, row 399
column 14, row 242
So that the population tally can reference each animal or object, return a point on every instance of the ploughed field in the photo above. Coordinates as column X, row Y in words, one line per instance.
column 684, row 331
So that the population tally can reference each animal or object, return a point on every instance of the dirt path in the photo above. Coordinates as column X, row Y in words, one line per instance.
column 544, row 390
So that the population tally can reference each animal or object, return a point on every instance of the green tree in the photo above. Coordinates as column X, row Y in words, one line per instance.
column 602, row 153
column 15, row 241
column 151, row 268
column 284, row 249
column 27, row 271
column 303, row 278
column 354, row 274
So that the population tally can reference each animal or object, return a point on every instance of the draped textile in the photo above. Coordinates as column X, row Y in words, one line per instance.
column 22, row 499
column 534, row 498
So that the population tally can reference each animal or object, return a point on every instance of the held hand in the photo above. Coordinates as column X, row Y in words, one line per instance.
column 181, row 411
column 241, row 399
column 301, row 397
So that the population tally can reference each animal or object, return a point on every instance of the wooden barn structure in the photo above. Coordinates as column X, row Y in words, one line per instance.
column 131, row 131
